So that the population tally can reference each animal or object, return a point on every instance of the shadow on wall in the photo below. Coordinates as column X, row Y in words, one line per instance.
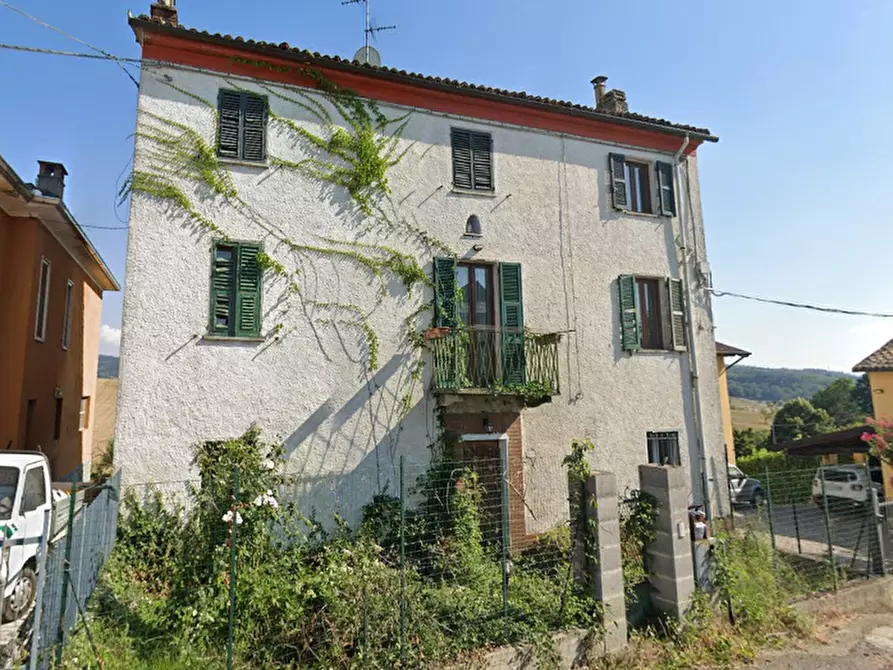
column 367, row 468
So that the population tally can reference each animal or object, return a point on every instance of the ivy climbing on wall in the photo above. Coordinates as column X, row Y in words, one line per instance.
column 355, row 149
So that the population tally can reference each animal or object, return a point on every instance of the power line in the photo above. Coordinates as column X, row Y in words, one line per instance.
column 73, row 54
column 800, row 305
column 71, row 37
column 85, row 225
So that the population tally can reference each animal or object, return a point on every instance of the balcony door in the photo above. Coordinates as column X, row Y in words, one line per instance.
column 477, row 311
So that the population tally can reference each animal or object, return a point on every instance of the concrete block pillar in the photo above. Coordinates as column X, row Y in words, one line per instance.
column 668, row 557
column 596, row 525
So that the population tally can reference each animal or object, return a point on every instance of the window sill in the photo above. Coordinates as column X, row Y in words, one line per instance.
column 658, row 351
column 473, row 236
column 645, row 215
column 264, row 164
column 227, row 338
column 473, row 193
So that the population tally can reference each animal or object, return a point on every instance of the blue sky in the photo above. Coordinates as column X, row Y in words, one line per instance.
column 796, row 193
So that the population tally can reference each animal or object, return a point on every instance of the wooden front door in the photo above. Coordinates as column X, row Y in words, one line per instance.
column 483, row 458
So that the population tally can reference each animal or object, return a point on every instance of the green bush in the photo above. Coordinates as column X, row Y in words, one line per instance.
column 308, row 598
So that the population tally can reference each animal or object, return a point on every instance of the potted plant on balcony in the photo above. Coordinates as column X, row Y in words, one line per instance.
column 437, row 332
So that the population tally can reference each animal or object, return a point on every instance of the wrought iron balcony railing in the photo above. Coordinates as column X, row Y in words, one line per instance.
column 500, row 360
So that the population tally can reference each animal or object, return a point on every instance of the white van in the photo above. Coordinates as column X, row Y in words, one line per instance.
column 846, row 485
column 26, row 495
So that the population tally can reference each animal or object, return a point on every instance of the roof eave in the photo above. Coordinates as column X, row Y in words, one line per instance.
column 137, row 23
column 103, row 277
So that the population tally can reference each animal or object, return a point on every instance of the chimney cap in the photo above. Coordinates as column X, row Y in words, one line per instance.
column 601, row 79
column 51, row 166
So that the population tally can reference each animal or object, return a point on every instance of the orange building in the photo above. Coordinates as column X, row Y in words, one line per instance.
column 724, row 351
column 51, row 285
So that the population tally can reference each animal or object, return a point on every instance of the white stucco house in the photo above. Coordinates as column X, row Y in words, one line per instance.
column 514, row 271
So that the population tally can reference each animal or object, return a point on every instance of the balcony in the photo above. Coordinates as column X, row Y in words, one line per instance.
column 495, row 360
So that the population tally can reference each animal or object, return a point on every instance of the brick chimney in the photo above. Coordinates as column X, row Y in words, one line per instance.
column 51, row 179
column 598, row 85
column 165, row 11
column 613, row 102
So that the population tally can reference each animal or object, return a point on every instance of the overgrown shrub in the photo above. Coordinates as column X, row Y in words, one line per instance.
column 311, row 598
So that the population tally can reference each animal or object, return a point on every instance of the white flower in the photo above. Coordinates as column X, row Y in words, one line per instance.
column 268, row 464
column 228, row 517
column 194, row 612
column 266, row 499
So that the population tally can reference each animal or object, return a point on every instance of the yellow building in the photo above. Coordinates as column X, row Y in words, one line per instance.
column 724, row 351
column 879, row 367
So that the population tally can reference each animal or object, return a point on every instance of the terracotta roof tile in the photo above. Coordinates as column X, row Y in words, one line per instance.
column 881, row 360
column 517, row 95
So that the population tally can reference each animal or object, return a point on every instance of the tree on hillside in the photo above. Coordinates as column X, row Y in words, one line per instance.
column 798, row 419
column 839, row 400
column 748, row 440
column 862, row 395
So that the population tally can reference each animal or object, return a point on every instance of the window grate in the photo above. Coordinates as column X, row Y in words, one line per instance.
column 663, row 448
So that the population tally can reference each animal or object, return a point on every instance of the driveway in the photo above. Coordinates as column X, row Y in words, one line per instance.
column 800, row 529
column 863, row 641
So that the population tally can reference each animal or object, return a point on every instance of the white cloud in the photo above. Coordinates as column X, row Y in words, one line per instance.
column 109, row 340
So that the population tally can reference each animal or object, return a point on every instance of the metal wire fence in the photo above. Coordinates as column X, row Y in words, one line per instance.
column 392, row 567
column 824, row 524
column 76, row 540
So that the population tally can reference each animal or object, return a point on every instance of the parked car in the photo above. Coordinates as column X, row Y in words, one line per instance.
column 744, row 490
column 846, row 485
column 26, row 495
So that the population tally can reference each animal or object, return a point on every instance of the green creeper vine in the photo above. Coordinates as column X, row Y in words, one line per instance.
column 356, row 157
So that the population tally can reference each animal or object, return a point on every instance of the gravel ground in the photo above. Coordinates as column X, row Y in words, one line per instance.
column 861, row 641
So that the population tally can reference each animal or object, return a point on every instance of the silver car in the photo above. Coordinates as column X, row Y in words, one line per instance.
column 744, row 490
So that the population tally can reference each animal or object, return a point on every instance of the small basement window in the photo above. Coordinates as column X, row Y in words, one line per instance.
column 663, row 448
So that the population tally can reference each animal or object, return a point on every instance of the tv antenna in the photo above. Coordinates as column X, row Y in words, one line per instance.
column 368, row 54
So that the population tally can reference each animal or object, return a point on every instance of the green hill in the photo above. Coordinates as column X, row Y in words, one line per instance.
column 778, row 384
column 108, row 367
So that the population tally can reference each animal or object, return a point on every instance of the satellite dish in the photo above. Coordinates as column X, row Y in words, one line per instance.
column 374, row 58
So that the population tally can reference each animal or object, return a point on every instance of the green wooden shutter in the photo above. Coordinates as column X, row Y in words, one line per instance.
column 630, row 331
column 511, row 302
column 482, row 159
column 676, row 309
column 618, row 181
column 665, row 192
column 254, row 128
column 228, row 123
column 445, row 292
column 248, row 292
column 462, row 172
column 223, row 280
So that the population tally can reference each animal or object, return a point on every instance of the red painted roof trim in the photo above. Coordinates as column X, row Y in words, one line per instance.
column 162, row 43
